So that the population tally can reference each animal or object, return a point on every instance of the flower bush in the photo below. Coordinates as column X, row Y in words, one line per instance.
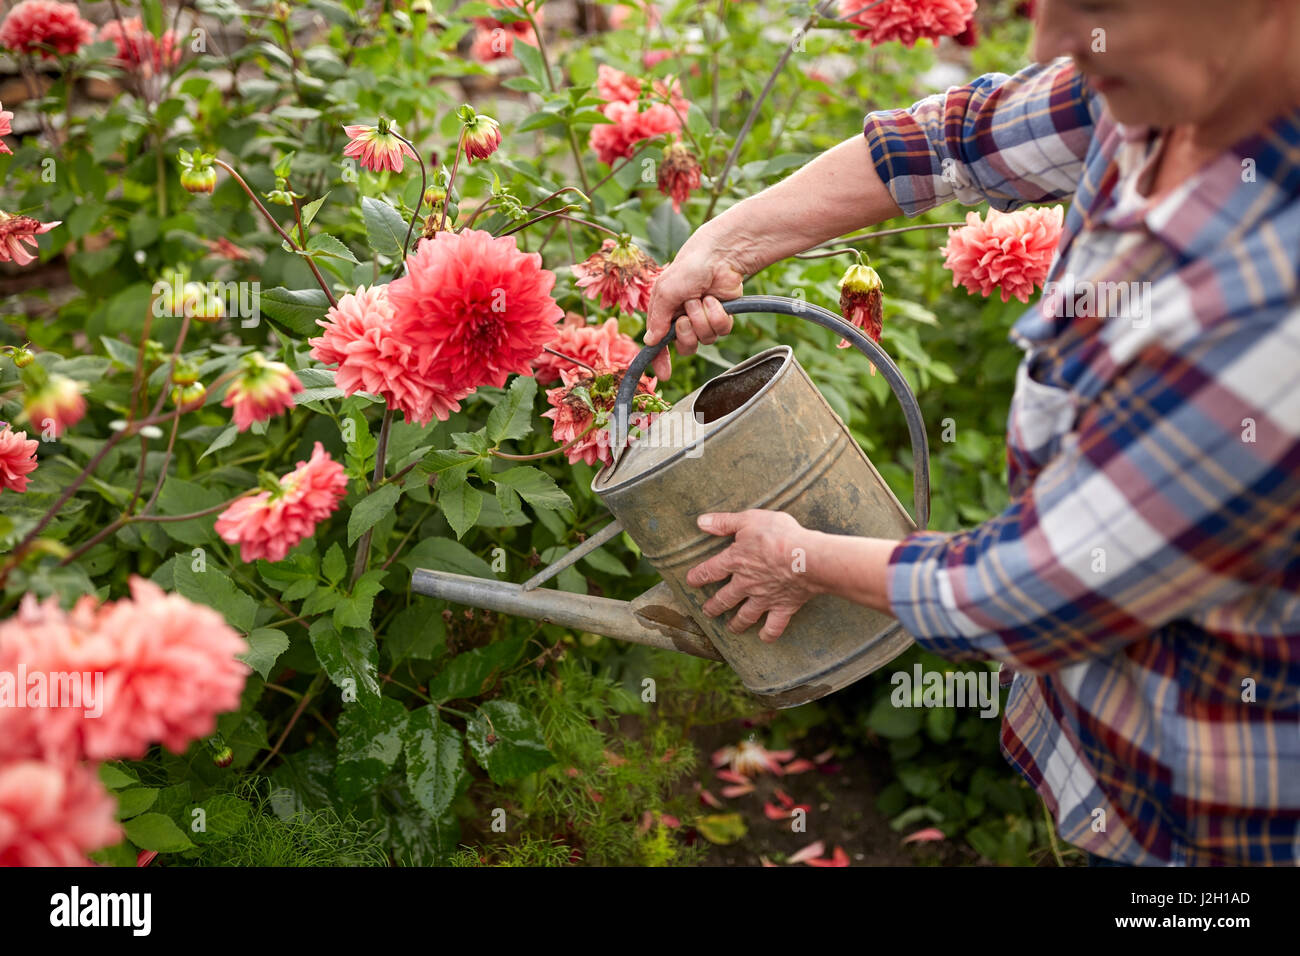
column 280, row 309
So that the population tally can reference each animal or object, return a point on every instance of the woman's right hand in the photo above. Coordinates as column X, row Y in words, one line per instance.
column 691, row 291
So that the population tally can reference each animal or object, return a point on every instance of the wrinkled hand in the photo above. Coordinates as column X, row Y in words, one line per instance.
column 695, row 283
column 765, row 564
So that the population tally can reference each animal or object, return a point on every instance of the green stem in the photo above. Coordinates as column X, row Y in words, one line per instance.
column 381, row 452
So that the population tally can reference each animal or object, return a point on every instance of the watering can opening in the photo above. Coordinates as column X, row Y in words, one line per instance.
column 731, row 390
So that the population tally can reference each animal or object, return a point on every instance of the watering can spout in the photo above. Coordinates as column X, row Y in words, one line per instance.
column 654, row 619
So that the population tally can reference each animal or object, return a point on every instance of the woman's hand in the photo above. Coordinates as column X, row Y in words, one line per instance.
column 767, row 564
column 699, row 277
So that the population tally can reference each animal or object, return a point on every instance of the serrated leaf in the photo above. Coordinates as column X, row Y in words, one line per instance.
column 224, row 440
column 371, row 509
column 295, row 310
column 534, row 486
column 460, row 504
column 135, row 801
column 472, row 673
column 266, row 644
column 153, row 831
column 324, row 244
column 370, row 738
column 350, row 656
column 435, row 760
column 213, row 588
column 444, row 554
column 223, row 816
column 507, row 741
column 309, row 211
column 513, row 415
column 385, row 227
column 335, row 564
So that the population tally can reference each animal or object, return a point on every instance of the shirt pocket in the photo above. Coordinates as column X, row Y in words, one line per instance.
column 1041, row 416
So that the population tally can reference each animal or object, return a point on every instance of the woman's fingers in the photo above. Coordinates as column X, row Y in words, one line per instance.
column 746, row 617
column 662, row 364
column 718, row 318
column 686, row 338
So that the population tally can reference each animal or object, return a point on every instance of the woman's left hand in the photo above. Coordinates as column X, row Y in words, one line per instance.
column 767, row 564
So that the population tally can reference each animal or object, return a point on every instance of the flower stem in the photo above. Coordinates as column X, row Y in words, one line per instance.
column 451, row 180
column 419, row 204
column 381, row 452
column 871, row 235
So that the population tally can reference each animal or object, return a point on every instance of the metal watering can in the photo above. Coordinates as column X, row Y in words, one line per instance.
column 759, row 435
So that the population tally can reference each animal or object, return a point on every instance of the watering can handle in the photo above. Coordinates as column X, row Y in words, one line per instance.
column 826, row 319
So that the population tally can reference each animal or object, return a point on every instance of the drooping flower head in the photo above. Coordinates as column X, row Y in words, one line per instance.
column 45, row 27
column 908, row 20
column 376, row 147
column 168, row 667
column 581, row 407
column 17, row 458
column 261, row 389
column 53, row 814
column 16, row 230
column 139, row 49
column 268, row 524
column 594, row 345
column 1008, row 251
column 6, row 127
column 55, row 403
column 482, row 134
column 862, row 302
column 474, row 308
column 619, row 273
column 359, row 337
column 679, row 173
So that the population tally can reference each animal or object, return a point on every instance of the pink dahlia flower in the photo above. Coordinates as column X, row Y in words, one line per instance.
column 494, row 39
column 168, row 668
column 53, row 814
column 909, row 20
column 267, row 525
column 35, row 25
column 615, row 86
column 376, row 148
column 359, row 337
column 596, row 345
column 628, row 126
column 1009, row 251
column 260, row 390
column 652, row 58
column 474, row 308
column 581, row 406
column 139, row 49
column 16, row 230
column 6, row 127
column 482, row 137
column 618, row 274
column 57, row 404
column 17, row 459
column 679, row 173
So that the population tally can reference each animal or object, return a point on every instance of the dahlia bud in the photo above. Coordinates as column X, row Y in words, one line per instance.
column 282, row 195
column 22, row 356
column 223, row 757
column 185, row 373
column 679, row 173
column 189, row 396
column 482, row 134
column 862, row 302
column 198, row 174
column 200, row 304
column 435, row 196
column 154, row 352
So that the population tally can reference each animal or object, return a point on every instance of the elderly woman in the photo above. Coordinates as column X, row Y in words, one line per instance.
column 1142, row 584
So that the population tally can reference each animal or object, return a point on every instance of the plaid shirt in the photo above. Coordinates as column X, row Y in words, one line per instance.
column 1143, row 581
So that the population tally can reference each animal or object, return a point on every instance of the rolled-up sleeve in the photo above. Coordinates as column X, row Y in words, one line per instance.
column 1175, row 492
column 1005, row 139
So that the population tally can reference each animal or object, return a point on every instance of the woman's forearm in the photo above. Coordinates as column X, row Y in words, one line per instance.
column 850, row 567
column 834, row 194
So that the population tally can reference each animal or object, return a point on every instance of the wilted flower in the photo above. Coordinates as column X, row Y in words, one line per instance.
column 261, row 389
column 140, row 49
column 55, row 403
column 474, row 308
column 482, row 134
column 17, row 458
column 53, row 814
column 862, row 302
column 908, row 20
column 594, row 345
column 619, row 273
column 16, row 230
column 33, row 25
column 580, row 409
column 377, row 147
column 1009, row 251
column 748, row 758
column 679, row 173
column 268, row 524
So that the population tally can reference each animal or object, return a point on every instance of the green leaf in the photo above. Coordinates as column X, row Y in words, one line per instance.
column 115, row 777
column 507, row 741
column 371, row 509
column 417, row 632
column 355, row 609
column 513, row 415
column 350, row 657
column 435, row 760
column 153, row 831
column 667, row 231
column 444, row 554
column 295, row 310
column 385, row 227
column 266, row 644
column 532, row 63
column 213, row 588
column 335, row 564
column 317, row 385
column 535, row 486
column 472, row 673
column 224, row 815
column 370, row 738
column 460, row 504
column 133, row 802
column 224, row 440
column 323, row 244
column 722, row 828
column 602, row 560
column 893, row 722
column 309, row 211
column 179, row 497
